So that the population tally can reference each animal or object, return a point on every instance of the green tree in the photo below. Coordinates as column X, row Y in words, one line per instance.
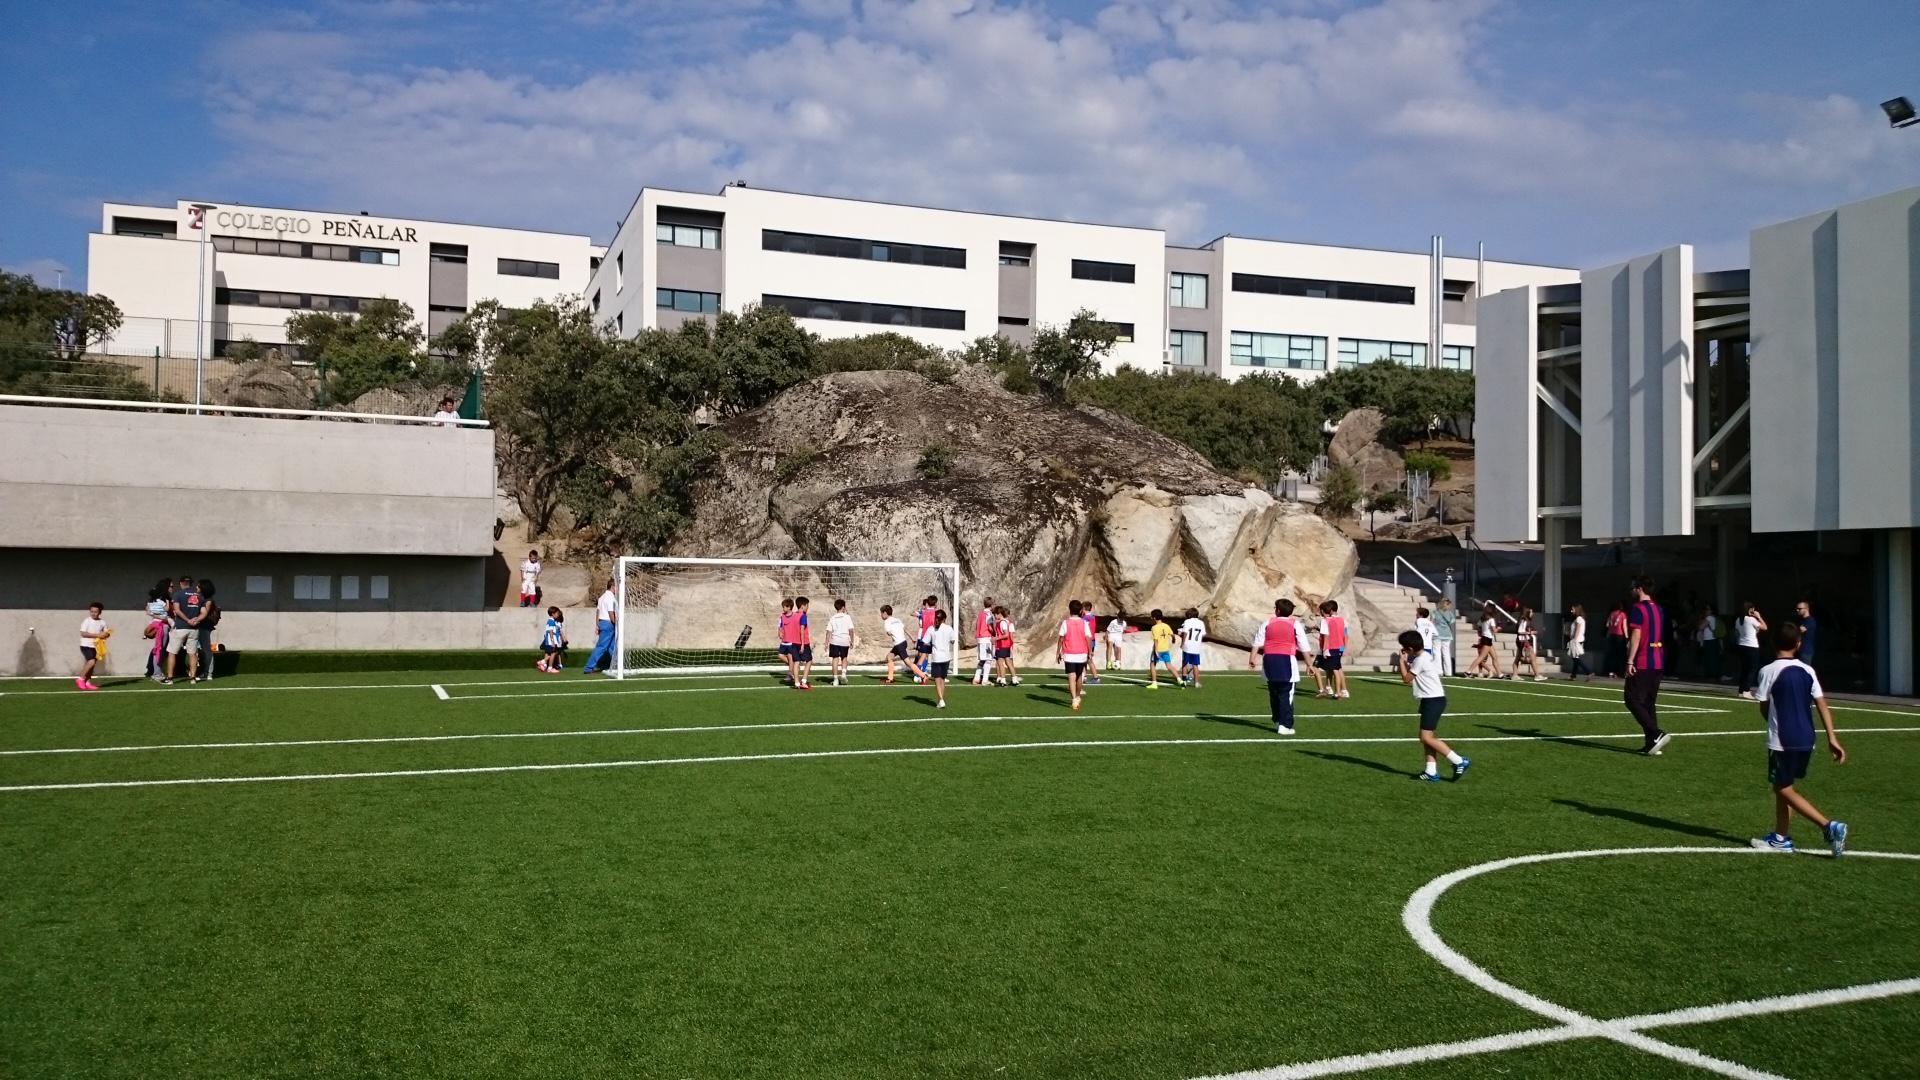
column 1004, row 358
column 1261, row 425
column 745, row 359
column 1436, row 466
column 44, row 336
column 1339, row 492
column 887, row 351
column 381, row 345
column 1061, row 355
column 1415, row 401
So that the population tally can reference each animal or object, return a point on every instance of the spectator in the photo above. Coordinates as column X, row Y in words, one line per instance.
column 448, row 416
column 209, row 618
column 1707, row 633
column 530, row 580
column 606, row 614
column 1809, row 630
column 1746, row 643
column 1616, row 642
column 186, row 608
column 157, row 628
column 1443, row 631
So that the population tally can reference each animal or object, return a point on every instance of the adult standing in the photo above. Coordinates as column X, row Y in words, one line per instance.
column 606, row 614
column 1443, row 630
column 185, row 607
column 1746, row 646
column 1577, row 643
column 209, row 618
column 1279, row 647
column 1809, row 630
column 1646, row 663
column 1707, row 633
column 1616, row 642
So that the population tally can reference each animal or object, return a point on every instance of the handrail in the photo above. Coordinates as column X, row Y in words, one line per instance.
column 1484, row 604
column 250, row 410
column 1400, row 560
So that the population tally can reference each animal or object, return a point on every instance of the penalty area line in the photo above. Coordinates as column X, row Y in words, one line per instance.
column 440, row 691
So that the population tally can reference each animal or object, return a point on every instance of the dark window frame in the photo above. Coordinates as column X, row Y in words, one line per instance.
column 705, row 303
column 850, row 247
column 532, row 268
column 1324, row 289
column 302, row 249
column 1095, row 270
column 868, row 313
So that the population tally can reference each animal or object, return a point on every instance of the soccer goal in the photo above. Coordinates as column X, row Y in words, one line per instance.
column 694, row 616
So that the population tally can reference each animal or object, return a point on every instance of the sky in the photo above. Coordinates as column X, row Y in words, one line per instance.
column 1574, row 134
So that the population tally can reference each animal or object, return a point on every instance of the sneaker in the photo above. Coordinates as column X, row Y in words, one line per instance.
column 1153, row 686
column 1773, row 842
column 1282, row 730
column 1431, row 778
column 939, row 704
column 166, row 682
column 1016, row 680
column 1836, row 830
column 1539, row 678
column 1460, row 770
column 1658, row 744
column 79, row 684
column 1076, row 704
column 1344, row 694
column 92, row 686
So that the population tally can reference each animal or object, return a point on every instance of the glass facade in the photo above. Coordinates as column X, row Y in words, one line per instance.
column 1187, row 290
column 1298, row 351
column 1357, row 351
column 694, row 236
column 1187, row 348
column 702, row 303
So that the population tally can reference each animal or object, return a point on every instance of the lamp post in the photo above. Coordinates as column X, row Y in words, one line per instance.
column 1900, row 112
column 198, row 213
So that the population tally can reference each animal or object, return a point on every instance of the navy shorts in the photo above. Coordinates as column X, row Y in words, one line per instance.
column 1003, row 654
column 1431, row 709
column 939, row 668
column 1331, row 660
column 1191, row 659
column 1075, row 667
column 88, row 652
column 838, row 652
column 803, row 653
column 923, row 647
column 900, row 649
column 786, row 650
column 1786, row 766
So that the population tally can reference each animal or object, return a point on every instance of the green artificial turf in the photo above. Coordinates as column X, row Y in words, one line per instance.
column 1168, row 909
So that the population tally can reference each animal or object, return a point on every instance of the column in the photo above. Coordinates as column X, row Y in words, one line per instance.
column 1897, row 662
column 1550, row 538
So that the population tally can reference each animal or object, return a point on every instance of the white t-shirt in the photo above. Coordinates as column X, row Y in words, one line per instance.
column 529, row 573
column 1300, row 635
column 1709, row 629
column 603, row 610
column 1426, row 676
column 1426, row 630
column 1577, row 637
column 1193, row 633
column 896, row 630
column 1072, row 657
column 1117, row 629
column 840, row 629
column 90, row 631
column 1524, row 631
column 944, row 640
column 1748, row 632
column 1488, row 628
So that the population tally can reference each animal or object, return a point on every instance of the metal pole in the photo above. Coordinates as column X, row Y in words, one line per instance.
column 200, row 305
column 1437, row 292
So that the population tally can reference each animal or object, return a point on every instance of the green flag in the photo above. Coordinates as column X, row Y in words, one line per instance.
column 470, row 404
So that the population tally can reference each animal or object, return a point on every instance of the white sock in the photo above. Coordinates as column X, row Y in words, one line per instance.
column 1453, row 758
column 1432, row 769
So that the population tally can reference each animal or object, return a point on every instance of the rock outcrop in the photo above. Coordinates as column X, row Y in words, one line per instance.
column 1359, row 444
column 265, row 385
column 1040, row 504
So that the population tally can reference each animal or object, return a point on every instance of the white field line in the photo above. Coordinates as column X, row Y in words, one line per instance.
column 597, row 680
column 894, row 751
column 262, row 744
column 1417, row 918
column 1585, row 692
column 1475, row 684
column 439, row 691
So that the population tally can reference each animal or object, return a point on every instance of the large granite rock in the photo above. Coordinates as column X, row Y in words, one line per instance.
column 265, row 385
column 1359, row 444
column 1042, row 503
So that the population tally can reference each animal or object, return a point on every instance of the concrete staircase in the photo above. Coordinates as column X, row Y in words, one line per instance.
column 1392, row 610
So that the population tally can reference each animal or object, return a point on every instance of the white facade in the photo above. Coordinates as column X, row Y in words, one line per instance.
column 680, row 255
column 147, row 260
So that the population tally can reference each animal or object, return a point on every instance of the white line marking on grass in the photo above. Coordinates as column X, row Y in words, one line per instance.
column 267, row 744
column 1474, row 684
column 439, row 691
column 1417, row 918
column 892, row 751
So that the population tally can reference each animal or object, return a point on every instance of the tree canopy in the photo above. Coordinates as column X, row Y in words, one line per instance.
column 381, row 345
column 43, row 334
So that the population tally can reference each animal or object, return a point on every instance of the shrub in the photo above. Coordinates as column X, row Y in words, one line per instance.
column 1436, row 466
column 792, row 465
column 1387, row 501
column 935, row 462
column 1339, row 492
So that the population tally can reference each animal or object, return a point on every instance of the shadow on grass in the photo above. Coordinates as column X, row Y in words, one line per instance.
column 1635, row 817
column 1049, row 699
column 1569, row 740
column 1238, row 721
column 923, row 699
column 1365, row 763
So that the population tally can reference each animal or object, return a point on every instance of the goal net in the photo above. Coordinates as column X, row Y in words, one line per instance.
column 692, row 616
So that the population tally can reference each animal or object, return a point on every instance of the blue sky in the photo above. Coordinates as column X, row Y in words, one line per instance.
column 1557, row 132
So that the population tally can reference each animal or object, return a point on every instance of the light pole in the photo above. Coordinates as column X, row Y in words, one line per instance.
column 1900, row 112
column 198, row 212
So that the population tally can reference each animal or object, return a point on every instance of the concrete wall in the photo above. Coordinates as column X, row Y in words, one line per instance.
column 61, row 579
column 94, row 479
column 1836, row 368
column 1506, row 434
column 1636, row 391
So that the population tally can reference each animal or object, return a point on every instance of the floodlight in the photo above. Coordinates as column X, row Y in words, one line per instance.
column 1900, row 112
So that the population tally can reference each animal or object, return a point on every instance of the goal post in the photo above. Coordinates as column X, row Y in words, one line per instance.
column 710, row 616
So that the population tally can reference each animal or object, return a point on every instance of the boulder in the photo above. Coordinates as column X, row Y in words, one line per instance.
column 1359, row 444
column 264, row 385
column 401, row 400
column 1456, row 507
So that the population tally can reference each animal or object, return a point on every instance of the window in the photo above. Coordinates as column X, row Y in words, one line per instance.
column 694, row 236
column 1323, row 289
column 259, row 583
column 1278, row 351
column 596, row 301
column 1456, row 357
column 1357, row 351
column 377, row 587
column 299, row 249
column 447, row 307
column 1187, row 290
column 296, row 301
column 311, row 586
column 151, row 228
column 1015, row 320
column 620, row 272
column 349, row 586
column 1122, row 331
column 447, row 253
column 862, row 312
column 593, row 265
column 702, row 303
column 529, row 268
column 1090, row 270
column 620, row 323
column 842, row 247
column 1456, row 290
column 1187, row 348
column 1013, row 253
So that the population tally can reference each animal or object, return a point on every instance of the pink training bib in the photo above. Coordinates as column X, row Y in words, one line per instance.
column 1075, row 639
column 1336, row 632
column 1279, row 639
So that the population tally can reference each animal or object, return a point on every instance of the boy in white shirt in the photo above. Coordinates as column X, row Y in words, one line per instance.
column 1424, row 626
column 1420, row 670
column 93, row 635
column 943, row 641
column 897, row 638
column 1116, row 639
column 840, row 641
column 1193, row 633
column 530, row 580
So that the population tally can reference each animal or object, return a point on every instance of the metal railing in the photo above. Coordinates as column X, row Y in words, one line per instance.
column 232, row 410
column 1399, row 561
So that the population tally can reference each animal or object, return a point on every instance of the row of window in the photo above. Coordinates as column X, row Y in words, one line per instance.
column 1308, row 352
column 703, row 303
column 1094, row 270
column 1357, row 351
column 694, row 236
column 1323, row 288
column 300, row 249
column 1297, row 351
column 843, row 247
column 298, row 301
column 529, row 268
column 861, row 311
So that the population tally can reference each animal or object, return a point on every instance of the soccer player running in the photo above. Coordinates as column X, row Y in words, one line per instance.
column 840, row 641
column 802, row 645
column 1420, row 670
column 1074, row 650
column 1277, row 644
column 983, row 643
column 1789, row 693
column 923, row 642
column 1646, row 663
column 1093, row 635
column 943, row 641
column 1193, row 634
column 1116, row 642
column 897, row 637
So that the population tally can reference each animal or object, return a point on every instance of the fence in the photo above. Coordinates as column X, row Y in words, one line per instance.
column 50, row 372
column 174, row 338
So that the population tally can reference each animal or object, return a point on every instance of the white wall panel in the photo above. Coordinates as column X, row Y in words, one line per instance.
column 1506, row 446
column 1636, row 389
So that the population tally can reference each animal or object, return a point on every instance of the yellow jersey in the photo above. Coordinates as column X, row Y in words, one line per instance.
column 1162, row 637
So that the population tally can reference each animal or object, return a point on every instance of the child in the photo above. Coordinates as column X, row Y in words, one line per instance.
column 1443, row 628
column 1420, row 669
column 1789, row 692
column 983, row 642
column 1162, row 651
column 1193, row 633
column 1093, row 634
column 1074, row 649
column 1423, row 625
column 1006, row 673
column 1116, row 640
column 923, row 643
column 157, row 629
column 1577, row 644
column 1277, row 649
column 897, row 634
column 552, row 642
column 787, row 648
column 1486, row 660
column 942, row 642
column 840, row 641
column 1333, row 643
column 1526, row 646
column 93, row 636
column 1310, row 641
column 530, row 580
column 802, row 644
